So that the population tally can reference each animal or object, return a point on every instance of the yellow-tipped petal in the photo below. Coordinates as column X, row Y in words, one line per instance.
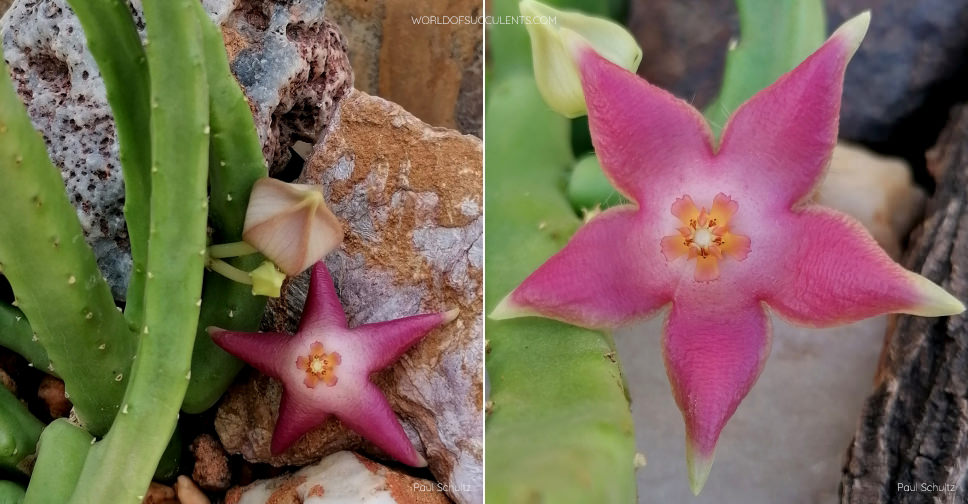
column 853, row 31
column 267, row 280
column 935, row 301
column 554, row 36
column 506, row 309
column 699, row 467
column 450, row 315
column 290, row 224
column 421, row 461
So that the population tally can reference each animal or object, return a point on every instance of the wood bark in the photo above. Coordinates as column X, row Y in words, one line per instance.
column 911, row 445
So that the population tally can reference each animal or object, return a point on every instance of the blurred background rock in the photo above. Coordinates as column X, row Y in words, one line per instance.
column 899, row 86
column 434, row 71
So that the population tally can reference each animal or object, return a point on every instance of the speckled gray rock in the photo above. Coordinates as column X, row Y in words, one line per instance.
column 409, row 196
column 290, row 60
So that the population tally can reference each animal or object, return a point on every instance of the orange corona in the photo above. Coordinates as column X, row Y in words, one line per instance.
column 319, row 366
column 705, row 236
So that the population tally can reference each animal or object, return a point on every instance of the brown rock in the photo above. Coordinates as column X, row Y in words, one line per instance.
column 8, row 382
column 409, row 196
column 432, row 70
column 160, row 494
column 51, row 391
column 341, row 477
column 211, row 470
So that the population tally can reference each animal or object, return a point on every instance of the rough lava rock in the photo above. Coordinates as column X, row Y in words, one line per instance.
column 409, row 196
column 340, row 478
column 290, row 60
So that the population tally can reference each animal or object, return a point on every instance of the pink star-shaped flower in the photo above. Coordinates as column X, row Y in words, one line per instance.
column 720, row 233
column 325, row 369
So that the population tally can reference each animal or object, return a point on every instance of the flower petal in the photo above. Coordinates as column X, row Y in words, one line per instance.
column 782, row 138
column 295, row 419
column 323, row 309
column 310, row 380
column 608, row 274
column 371, row 417
column 735, row 246
column 713, row 355
column 261, row 350
column 644, row 136
column 685, row 209
column 834, row 273
column 674, row 246
column 723, row 208
column 385, row 342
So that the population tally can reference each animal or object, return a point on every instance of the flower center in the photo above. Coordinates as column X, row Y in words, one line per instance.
column 319, row 366
column 705, row 236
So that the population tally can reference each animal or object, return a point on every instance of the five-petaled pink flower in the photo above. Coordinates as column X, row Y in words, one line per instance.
column 720, row 232
column 325, row 368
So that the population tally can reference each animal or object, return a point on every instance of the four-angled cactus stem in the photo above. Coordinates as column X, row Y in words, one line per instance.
column 194, row 174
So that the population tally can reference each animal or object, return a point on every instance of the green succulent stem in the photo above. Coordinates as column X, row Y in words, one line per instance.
column 19, row 431
column 559, row 428
column 53, row 272
column 775, row 37
column 60, row 457
column 119, row 468
column 113, row 40
column 11, row 493
column 236, row 162
column 16, row 335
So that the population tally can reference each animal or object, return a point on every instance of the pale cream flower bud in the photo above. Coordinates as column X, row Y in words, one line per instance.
column 554, row 67
column 290, row 224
